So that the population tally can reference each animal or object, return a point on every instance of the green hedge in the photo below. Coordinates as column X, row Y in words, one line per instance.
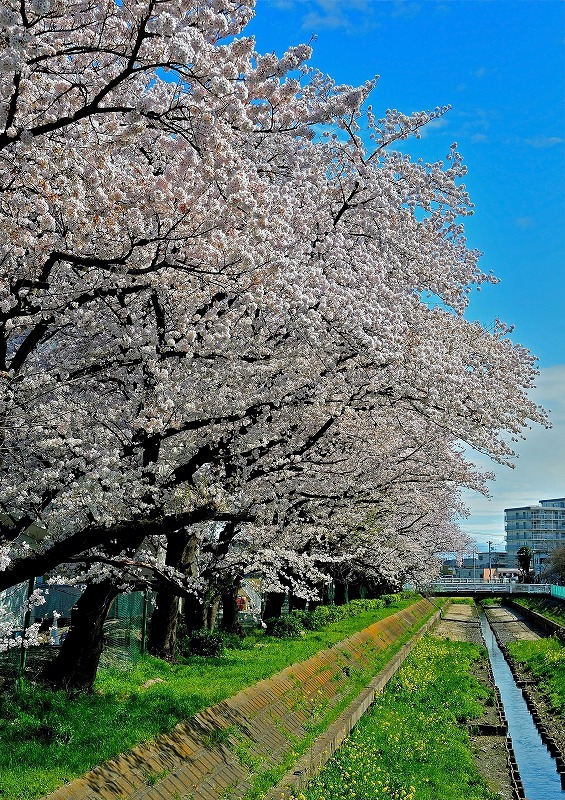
column 298, row 622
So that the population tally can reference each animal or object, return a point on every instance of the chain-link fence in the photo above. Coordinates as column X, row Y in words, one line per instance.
column 60, row 598
column 13, row 607
column 12, row 604
column 124, row 629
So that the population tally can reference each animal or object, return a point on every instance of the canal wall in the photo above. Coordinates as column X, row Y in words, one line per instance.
column 488, row 734
column 298, row 777
column 254, row 736
column 548, row 724
column 547, row 625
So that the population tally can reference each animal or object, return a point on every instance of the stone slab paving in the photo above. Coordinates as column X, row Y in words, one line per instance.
column 214, row 755
column 460, row 622
column 510, row 624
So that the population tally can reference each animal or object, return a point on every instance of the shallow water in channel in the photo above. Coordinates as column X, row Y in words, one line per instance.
column 537, row 767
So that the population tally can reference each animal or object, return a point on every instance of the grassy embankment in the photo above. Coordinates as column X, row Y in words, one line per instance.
column 549, row 609
column 48, row 738
column 545, row 659
column 414, row 745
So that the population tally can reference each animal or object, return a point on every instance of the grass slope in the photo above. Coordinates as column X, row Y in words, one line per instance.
column 545, row 659
column 48, row 738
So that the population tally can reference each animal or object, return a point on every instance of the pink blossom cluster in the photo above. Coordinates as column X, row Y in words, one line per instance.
column 219, row 306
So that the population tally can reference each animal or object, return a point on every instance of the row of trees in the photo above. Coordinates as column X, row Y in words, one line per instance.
column 232, row 332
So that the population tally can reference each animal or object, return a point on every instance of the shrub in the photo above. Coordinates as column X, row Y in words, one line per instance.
column 288, row 627
column 233, row 641
column 389, row 599
column 359, row 606
column 202, row 643
column 298, row 621
column 321, row 616
column 324, row 615
column 307, row 619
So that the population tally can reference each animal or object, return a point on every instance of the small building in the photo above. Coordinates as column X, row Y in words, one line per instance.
column 479, row 566
column 507, row 574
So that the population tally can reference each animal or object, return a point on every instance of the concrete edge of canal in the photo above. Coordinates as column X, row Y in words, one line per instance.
column 317, row 755
column 542, row 720
column 325, row 745
column 322, row 749
column 220, row 752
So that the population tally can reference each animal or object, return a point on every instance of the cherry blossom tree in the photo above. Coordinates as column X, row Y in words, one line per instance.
column 226, row 300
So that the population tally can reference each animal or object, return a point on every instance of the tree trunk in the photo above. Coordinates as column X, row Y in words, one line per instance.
column 353, row 591
column 181, row 554
column 230, row 619
column 297, row 603
column 77, row 661
column 212, row 612
column 194, row 614
column 273, row 604
column 341, row 595
column 324, row 596
column 163, row 632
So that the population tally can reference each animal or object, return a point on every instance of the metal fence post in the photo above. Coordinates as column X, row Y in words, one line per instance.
column 27, row 619
column 144, row 623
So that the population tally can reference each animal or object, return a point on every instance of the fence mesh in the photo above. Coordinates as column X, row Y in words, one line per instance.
column 12, row 602
column 124, row 628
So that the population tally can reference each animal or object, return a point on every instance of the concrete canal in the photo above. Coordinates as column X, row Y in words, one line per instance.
column 538, row 770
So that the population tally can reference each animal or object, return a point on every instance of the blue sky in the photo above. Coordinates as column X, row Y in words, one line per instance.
column 500, row 64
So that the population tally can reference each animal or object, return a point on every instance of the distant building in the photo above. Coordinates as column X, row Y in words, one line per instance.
column 540, row 527
column 480, row 566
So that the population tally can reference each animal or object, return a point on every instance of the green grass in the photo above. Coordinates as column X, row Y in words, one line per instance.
column 545, row 659
column 47, row 738
column 359, row 678
column 412, row 745
column 553, row 611
column 463, row 601
column 490, row 601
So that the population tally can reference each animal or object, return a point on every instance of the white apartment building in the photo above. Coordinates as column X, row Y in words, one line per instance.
column 540, row 527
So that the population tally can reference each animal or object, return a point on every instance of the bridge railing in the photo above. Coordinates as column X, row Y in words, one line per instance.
column 470, row 586
column 532, row 588
column 558, row 591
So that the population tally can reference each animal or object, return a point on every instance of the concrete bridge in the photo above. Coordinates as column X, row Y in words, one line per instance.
column 470, row 588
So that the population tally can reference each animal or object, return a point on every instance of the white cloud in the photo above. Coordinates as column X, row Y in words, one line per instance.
column 315, row 21
column 432, row 126
column 352, row 17
column 476, row 122
column 544, row 141
column 539, row 472
column 405, row 8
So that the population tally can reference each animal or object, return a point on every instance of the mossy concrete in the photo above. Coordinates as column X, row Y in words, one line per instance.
column 218, row 754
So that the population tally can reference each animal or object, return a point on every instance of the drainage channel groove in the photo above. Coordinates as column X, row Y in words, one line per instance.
column 536, row 773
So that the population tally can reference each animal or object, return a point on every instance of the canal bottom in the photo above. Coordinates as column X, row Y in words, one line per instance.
column 537, row 768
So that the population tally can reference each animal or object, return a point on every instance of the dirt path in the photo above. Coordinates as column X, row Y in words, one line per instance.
column 460, row 622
